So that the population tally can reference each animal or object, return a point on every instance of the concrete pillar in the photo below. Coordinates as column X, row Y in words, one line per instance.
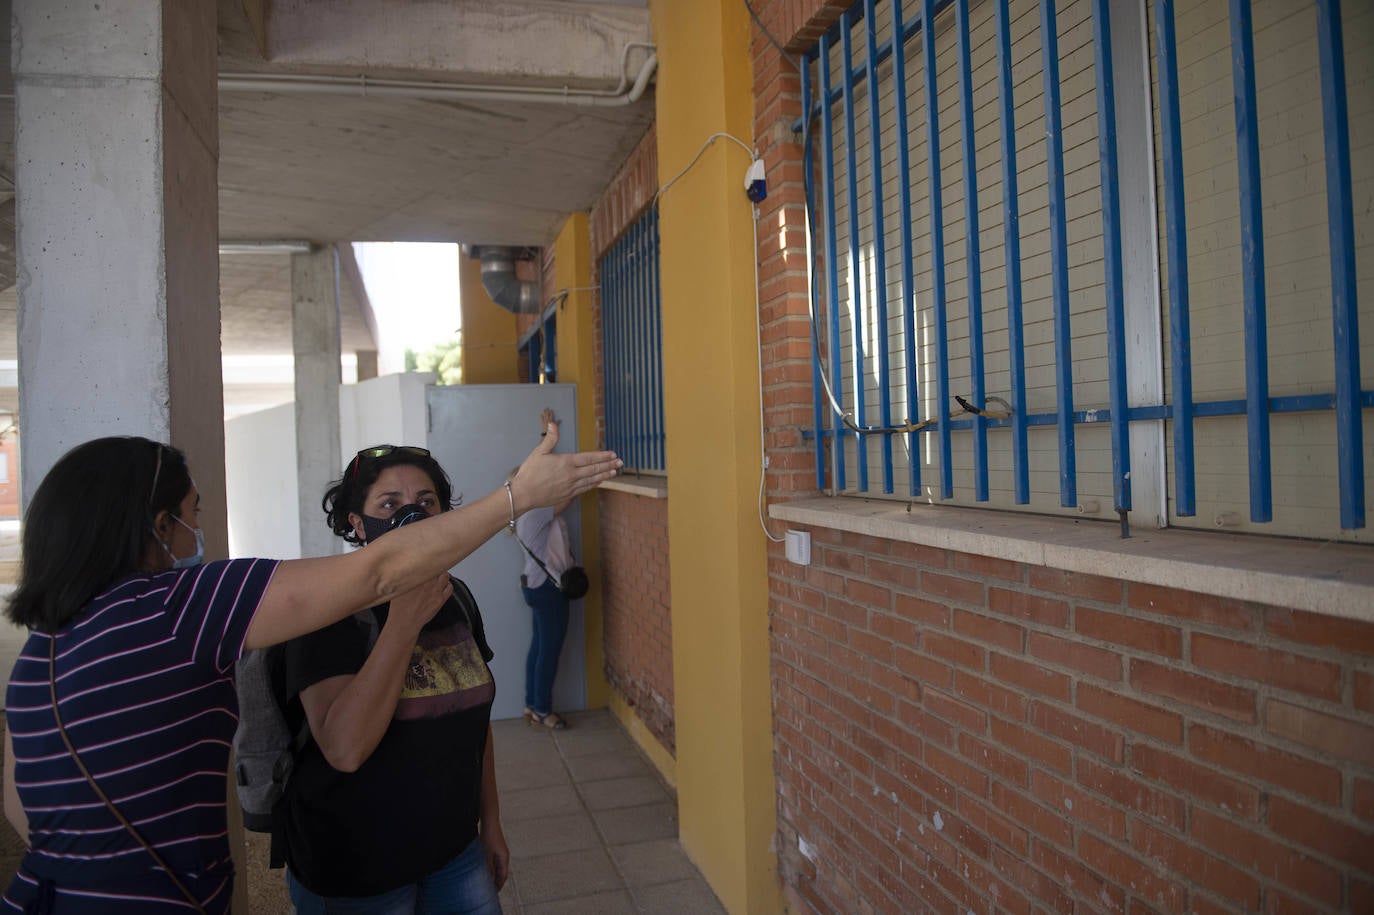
column 367, row 364
column 317, row 347
column 116, row 147
column 716, row 548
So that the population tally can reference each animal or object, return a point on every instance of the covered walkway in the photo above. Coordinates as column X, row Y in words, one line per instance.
column 591, row 829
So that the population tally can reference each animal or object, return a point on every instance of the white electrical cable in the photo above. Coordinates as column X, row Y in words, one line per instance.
column 704, row 146
column 758, row 308
column 758, row 340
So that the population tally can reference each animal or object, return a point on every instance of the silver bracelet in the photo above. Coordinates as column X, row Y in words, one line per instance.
column 510, row 525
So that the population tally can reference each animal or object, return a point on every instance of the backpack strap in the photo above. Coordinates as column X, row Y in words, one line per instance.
column 466, row 602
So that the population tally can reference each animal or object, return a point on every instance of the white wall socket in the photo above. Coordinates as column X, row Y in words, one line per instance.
column 799, row 547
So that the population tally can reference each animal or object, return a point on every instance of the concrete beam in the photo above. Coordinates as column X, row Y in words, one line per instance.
column 536, row 42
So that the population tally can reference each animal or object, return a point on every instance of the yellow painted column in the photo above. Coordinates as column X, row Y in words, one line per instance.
column 725, row 780
column 489, row 332
column 572, row 271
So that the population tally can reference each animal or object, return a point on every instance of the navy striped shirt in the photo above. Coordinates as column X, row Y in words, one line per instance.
column 145, row 683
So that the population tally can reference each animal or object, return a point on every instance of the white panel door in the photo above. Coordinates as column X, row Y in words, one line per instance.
column 478, row 433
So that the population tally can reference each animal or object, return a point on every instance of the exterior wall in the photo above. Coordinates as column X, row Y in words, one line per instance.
column 958, row 733
column 638, row 625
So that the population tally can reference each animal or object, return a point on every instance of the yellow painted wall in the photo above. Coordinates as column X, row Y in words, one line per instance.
column 726, row 786
column 489, row 334
column 572, row 254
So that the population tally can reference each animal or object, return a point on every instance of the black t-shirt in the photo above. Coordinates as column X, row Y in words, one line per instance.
column 413, row 805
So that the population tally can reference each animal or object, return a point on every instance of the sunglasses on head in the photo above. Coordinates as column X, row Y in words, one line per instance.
column 380, row 451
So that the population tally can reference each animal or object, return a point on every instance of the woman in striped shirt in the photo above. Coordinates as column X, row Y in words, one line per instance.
column 121, row 796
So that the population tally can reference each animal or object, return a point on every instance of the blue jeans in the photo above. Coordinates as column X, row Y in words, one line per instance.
column 464, row 885
column 550, row 609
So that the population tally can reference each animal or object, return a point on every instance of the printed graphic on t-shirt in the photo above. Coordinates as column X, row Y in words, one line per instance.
column 446, row 674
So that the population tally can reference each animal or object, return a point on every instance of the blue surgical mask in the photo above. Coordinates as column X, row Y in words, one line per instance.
column 196, row 558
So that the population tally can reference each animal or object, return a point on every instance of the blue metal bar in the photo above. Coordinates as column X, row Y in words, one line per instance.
column 1344, row 310
column 642, row 387
column 832, row 342
column 913, row 399
column 973, row 256
column 937, row 249
column 875, row 155
column 1176, row 238
column 1111, row 255
column 857, row 316
column 1252, row 261
column 660, row 429
column 907, row 32
column 551, row 349
column 1011, row 206
column 1059, row 256
column 642, row 390
column 610, row 329
column 809, row 164
column 1300, row 403
column 607, row 283
column 634, row 386
column 611, row 320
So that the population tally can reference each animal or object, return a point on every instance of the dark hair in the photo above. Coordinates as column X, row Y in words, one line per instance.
column 347, row 494
column 90, row 522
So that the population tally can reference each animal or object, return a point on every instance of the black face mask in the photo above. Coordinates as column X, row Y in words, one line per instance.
column 376, row 527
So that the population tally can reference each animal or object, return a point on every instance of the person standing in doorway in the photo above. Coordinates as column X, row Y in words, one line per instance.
column 543, row 536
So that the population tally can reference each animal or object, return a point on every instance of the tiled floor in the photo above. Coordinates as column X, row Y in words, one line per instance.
column 590, row 827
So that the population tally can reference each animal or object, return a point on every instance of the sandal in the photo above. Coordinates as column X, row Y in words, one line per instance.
column 548, row 719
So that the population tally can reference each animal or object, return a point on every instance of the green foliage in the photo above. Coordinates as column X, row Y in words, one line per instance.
column 445, row 360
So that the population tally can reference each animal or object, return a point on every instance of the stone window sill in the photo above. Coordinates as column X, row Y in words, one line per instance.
column 650, row 487
column 1322, row 577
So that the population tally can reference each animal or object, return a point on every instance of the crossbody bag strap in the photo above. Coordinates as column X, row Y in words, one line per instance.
column 62, row 730
column 537, row 560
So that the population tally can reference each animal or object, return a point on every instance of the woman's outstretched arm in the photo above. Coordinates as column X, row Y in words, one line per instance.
column 308, row 594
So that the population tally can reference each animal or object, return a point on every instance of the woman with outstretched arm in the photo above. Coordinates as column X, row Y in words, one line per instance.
column 121, row 707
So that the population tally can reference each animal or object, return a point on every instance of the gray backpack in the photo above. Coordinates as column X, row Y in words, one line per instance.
column 269, row 739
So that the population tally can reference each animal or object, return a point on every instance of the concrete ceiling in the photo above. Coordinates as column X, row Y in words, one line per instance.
column 330, row 168
column 370, row 168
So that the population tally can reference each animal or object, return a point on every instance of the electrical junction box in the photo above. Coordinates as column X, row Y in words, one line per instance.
column 799, row 547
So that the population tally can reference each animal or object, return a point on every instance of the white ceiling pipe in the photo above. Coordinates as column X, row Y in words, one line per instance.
column 401, row 88
column 275, row 246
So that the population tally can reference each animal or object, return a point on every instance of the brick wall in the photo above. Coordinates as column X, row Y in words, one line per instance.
column 638, row 627
column 964, row 734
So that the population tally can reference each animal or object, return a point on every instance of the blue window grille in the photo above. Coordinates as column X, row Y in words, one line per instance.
column 1017, row 308
column 539, row 348
column 632, row 346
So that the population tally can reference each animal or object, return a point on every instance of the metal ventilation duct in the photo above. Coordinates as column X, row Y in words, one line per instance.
column 499, row 279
